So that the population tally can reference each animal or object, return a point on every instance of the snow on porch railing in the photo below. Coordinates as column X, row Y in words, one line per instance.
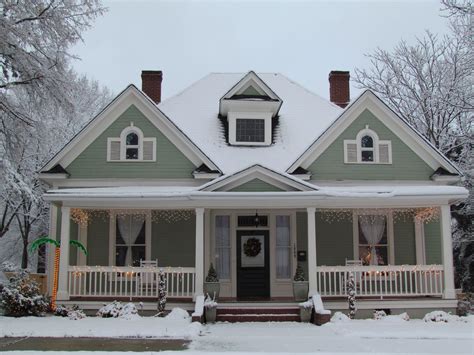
column 115, row 281
column 380, row 281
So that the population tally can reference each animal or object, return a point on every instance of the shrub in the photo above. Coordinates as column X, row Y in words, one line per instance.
column 299, row 274
column 117, row 310
column 21, row 297
column 212, row 274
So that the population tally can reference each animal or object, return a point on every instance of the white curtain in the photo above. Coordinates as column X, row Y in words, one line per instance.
column 223, row 247
column 130, row 227
column 283, row 246
column 373, row 228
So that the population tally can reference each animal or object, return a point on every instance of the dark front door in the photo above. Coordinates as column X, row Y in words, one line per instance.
column 253, row 264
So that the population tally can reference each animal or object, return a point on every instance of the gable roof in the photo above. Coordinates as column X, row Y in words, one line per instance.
column 303, row 116
column 368, row 100
column 130, row 96
column 283, row 181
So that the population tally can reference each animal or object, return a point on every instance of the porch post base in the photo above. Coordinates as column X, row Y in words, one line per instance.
column 63, row 296
column 449, row 294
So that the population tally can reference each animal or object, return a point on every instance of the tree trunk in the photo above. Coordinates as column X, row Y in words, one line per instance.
column 24, row 256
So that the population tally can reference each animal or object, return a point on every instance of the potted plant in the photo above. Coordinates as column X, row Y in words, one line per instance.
column 210, row 307
column 306, row 309
column 300, row 285
column 212, row 286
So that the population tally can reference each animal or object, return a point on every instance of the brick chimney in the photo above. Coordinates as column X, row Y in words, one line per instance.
column 339, row 88
column 151, row 84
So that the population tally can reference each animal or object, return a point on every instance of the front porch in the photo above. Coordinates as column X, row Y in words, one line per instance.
column 185, row 247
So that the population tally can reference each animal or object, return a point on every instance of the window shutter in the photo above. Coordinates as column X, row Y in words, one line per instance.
column 385, row 153
column 148, row 149
column 350, row 152
column 114, row 150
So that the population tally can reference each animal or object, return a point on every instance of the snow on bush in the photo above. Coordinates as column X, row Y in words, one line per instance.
column 73, row 313
column 8, row 266
column 117, row 310
column 21, row 297
column 76, row 314
column 339, row 317
column 443, row 317
column 378, row 315
column 178, row 314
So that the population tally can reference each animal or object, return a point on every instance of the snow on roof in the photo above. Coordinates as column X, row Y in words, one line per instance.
column 303, row 117
column 189, row 192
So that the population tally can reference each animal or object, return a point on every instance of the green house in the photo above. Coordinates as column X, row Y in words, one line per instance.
column 256, row 175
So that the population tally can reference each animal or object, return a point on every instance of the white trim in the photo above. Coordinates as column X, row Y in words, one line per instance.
column 109, row 150
column 229, row 182
column 199, row 253
column 130, row 96
column 368, row 100
column 123, row 145
column 312, row 255
column 205, row 176
column 234, row 116
column 63, row 293
column 447, row 252
column 448, row 179
column 375, row 148
column 52, row 176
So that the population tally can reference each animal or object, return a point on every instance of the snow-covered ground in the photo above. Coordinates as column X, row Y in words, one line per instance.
column 391, row 335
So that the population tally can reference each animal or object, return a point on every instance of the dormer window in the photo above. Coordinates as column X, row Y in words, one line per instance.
column 367, row 148
column 131, row 146
column 247, row 128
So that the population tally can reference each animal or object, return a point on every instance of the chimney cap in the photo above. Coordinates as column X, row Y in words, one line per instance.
column 339, row 72
column 152, row 72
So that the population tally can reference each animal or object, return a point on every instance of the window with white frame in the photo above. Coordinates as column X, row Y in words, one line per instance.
column 283, row 247
column 131, row 146
column 130, row 239
column 367, row 148
column 222, row 247
column 373, row 239
column 250, row 128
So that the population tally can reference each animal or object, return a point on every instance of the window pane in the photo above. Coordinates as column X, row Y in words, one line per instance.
column 250, row 130
column 120, row 255
column 131, row 153
column 222, row 257
column 283, row 243
column 138, row 252
column 132, row 139
column 367, row 155
column 367, row 142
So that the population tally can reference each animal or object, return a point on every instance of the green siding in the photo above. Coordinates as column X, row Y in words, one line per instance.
column 173, row 243
column 433, row 242
column 405, row 247
column 334, row 241
column 256, row 185
column 170, row 162
column 98, row 241
column 406, row 165
column 251, row 91
column 302, row 237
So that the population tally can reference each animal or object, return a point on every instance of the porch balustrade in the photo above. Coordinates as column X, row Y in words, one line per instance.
column 381, row 281
column 132, row 282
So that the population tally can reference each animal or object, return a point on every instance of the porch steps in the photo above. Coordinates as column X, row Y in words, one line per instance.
column 257, row 314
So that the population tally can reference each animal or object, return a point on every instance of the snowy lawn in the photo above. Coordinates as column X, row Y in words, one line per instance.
column 386, row 336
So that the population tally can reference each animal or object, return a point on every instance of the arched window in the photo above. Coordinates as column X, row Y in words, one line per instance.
column 132, row 146
column 367, row 150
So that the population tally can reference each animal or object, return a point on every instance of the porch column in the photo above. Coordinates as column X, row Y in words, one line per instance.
column 199, row 257
column 311, row 211
column 447, row 247
column 63, row 293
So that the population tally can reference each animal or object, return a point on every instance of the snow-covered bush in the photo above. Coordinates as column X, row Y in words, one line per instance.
column 178, row 314
column 117, row 310
column 161, row 293
column 439, row 316
column 72, row 313
column 21, row 297
column 351, row 296
column 379, row 314
column 339, row 317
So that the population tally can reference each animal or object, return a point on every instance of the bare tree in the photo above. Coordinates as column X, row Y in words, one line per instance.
column 431, row 85
column 34, row 42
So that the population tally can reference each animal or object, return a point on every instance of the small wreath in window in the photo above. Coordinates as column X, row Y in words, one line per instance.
column 252, row 247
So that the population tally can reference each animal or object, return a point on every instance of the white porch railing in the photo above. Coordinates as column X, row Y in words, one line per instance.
column 380, row 281
column 133, row 282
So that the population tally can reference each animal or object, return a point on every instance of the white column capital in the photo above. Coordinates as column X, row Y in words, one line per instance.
column 199, row 211
column 311, row 209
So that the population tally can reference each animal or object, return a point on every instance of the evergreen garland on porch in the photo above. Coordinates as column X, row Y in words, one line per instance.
column 161, row 293
column 351, row 296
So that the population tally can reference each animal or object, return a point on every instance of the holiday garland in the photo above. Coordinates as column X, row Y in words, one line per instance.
column 252, row 247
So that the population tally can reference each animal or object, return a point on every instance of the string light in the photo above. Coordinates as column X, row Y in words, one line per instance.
column 423, row 214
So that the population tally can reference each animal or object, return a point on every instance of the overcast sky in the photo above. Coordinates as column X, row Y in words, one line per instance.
column 301, row 39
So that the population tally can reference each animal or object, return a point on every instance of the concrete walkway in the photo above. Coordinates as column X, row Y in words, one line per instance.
column 91, row 344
